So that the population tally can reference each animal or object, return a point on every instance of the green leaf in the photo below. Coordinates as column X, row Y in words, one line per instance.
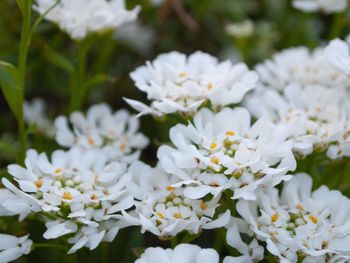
column 97, row 79
column 58, row 59
column 10, row 86
column 20, row 3
column 8, row 150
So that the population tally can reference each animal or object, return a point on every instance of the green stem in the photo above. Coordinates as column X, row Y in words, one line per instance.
column 78, row 91
column 338, row 23
column 48, row 245
column 22, row 66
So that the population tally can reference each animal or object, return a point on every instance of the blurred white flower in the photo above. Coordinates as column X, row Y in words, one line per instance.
column 137, row 35
column 302, row 67
column 12, row 248
column 157, row 2
column 317, row 118
column 326, row 6
column 81, row 17
column 338, row 54
column 225, row 151
column 163, row 209
column 251, row 252
column 184, row 253
column 240, row 29
column 177, row 83
column 75, row 191
column 35, row 114
column 115, row 134
column 315, row 224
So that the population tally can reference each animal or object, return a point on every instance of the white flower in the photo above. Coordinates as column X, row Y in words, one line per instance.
column 81, row 17
column 300, row 66
column 176, row 83
column 34, row 114
column 338, row 54
column 314, row 224
column 224, row 151
column 139, row 36
column 163, row 209
column 75, row 190
column 317, row 118
column 12, row 247
column 252, row 252
column 10, row 205
column 184, row 253
column 240, row 30
column 115, row 134
column 326, row 6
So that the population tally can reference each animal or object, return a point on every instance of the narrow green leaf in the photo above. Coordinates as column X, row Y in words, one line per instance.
column 42, row 16
column 9, row 83
column 20, row 4
column 97, row 79
column 58, row 59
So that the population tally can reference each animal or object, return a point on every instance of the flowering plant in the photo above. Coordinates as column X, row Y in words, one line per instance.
column 237, row 157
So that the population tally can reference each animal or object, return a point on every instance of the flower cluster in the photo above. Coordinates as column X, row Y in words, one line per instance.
column 185, row 253
column 116, row 134
column 178, row 84
column 300, row 223
column 12, row 247
column 164, row 210
column 325, row 6
column 77, row 192
column 300, row 66
column 224, row 151
column 309, row 99
column 81, row 17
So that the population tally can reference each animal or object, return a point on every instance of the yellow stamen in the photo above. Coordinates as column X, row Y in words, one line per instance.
column 213, row 145
column 214, row 184
column 274, row 218
column 67, row 195
column 203, row 205
column 230, row 133
column 314, row 219
column 299, row 206
column 91, row 141
column 210, row 86
column 177, row 215
column 93, row 197
column 160, row 215
column 122, row 146
column 183, row 74
column 39, row 183
column 214, row 160
column 58, row 171
column 170, row 188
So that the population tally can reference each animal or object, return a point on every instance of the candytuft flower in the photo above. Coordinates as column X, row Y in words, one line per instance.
column 300, row 66
column 115, row 134
column 338, row 54
column 184, row 253
column 81, row 17
column 326, row 6
column 174, row 82
column 300, row 222
column 12, row 248
column 317, row 118
column 34, row 114
column 225, row 151
column 78, row 192
column 163, row 209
